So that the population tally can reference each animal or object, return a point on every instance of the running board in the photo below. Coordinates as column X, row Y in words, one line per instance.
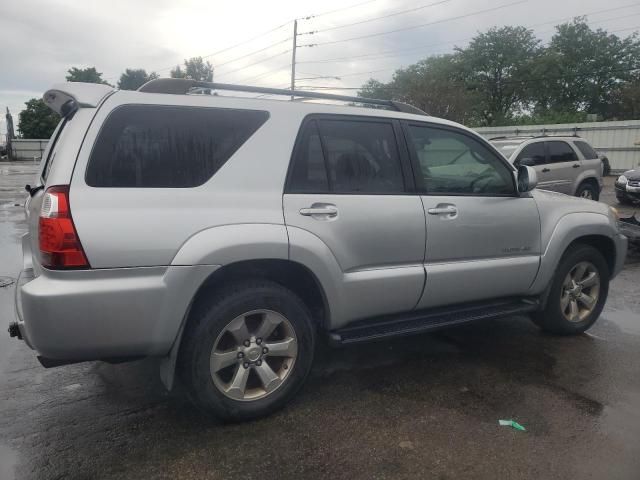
column 428, row 320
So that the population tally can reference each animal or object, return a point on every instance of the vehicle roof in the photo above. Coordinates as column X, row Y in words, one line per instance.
column 91, row 95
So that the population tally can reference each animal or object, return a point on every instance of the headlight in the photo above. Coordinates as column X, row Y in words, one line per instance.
column 622, row 179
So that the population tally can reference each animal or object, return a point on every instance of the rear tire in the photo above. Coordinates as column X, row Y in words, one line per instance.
column 589, row 191
column 225, row 362
column 567, row 311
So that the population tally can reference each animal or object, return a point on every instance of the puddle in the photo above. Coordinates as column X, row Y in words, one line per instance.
column 8, row 460
column 628, row 322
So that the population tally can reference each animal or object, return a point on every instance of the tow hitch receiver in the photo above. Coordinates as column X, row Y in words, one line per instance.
column 14, row 331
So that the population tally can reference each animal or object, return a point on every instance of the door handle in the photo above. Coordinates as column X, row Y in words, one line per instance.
column 576, row 165
column 449, row 210
column 328, row 210
column 546, row 170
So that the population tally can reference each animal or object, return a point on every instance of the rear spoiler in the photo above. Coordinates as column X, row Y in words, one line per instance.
column 66, row 98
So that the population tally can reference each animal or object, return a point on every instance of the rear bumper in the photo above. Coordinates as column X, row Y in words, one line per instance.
column 108, row 313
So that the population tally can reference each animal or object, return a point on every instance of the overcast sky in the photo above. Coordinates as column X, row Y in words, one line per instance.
column 42, row 39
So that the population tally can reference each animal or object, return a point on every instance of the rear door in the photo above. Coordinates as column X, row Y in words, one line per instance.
column 350, row 185
column 564, row 167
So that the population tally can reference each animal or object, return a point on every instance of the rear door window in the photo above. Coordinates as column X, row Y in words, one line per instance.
column 155, row 146
column 561, row 152
column 347, row 156
column 586, row 150
column 534, row 151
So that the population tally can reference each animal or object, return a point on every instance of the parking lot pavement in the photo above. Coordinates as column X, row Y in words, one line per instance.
column 420, row 407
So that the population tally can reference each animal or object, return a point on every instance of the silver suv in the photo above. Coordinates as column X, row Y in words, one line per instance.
column 563, row 164
column 225, row 235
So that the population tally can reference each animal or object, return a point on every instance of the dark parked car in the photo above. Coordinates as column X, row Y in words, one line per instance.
column 628, row 186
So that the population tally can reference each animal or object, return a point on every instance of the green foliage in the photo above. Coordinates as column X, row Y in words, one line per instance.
column 37, row 120
column 86, row 75
column 195, row 69
column 132, row 79
column 505, row 76
column 496, row 66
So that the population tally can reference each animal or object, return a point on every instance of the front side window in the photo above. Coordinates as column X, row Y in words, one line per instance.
column 535, row 151
column 154, row 146
column 454, row 163
column 347, row 156
column 561, row 152
column 586, row 150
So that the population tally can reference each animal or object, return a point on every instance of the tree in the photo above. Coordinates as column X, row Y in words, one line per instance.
column 195, row 69
column 496, row 66
column 37, row 120
column 434, row 85
column 87, row 75
column 429, row 85
column 132, row 79
column 584, row 69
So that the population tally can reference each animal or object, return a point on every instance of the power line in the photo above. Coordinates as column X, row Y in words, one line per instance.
column 254, row 63
column 252, row 53
column 390, row 52
column 309, row 17
column 413, row 27
column 421, row 7
column 267, row 73
column 248, row 40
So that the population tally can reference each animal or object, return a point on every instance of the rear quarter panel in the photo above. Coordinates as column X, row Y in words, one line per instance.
column 121, row 227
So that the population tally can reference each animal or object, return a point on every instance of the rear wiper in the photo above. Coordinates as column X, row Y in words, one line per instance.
column 33, row 190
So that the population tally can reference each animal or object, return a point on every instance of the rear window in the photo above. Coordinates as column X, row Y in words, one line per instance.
column 586, row 150
column 506, row 148
column 155, row 146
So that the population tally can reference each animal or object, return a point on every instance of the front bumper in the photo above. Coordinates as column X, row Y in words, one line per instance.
column 625, row 191
column 107, row 313
column 621, row 243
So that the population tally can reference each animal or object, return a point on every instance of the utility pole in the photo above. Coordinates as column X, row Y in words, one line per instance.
column 293, row 57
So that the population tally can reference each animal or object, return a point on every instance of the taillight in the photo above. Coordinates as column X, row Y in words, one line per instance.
column 59, row 243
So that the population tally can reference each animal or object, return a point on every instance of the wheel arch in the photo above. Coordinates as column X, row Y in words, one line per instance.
column 292, row 275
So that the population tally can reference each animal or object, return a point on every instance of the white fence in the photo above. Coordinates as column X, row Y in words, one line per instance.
column 28, row 149
column 619, row 141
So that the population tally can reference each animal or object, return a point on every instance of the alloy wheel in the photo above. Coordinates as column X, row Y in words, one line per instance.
column 253, row 355
column 580, row 292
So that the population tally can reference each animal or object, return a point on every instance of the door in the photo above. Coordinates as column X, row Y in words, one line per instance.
column 483, row 238
column 564, row 166
column 348, row 186
column 536, row 152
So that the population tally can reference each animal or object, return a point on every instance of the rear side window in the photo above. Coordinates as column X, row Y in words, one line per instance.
column 154, row 146
column 561, row 152
column 534, row 151
column 346, row 156
column 586, row 150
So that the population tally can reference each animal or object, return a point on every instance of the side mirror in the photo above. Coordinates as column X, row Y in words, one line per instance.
column 527, row 179
column 527, row 162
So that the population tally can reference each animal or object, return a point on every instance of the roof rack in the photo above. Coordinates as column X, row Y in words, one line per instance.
column 517, row 137
column 182, row 86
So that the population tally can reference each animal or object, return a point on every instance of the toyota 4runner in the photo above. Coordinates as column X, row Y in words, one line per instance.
column 224, row 235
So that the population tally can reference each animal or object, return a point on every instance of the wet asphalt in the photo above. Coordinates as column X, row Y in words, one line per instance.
column 419, row 407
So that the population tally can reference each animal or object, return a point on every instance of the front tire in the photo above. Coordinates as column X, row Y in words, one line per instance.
column 577, row 294
column 589, row 191
column 248, row 352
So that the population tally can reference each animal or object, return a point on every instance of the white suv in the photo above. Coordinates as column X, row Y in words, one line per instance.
column 563, row 164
